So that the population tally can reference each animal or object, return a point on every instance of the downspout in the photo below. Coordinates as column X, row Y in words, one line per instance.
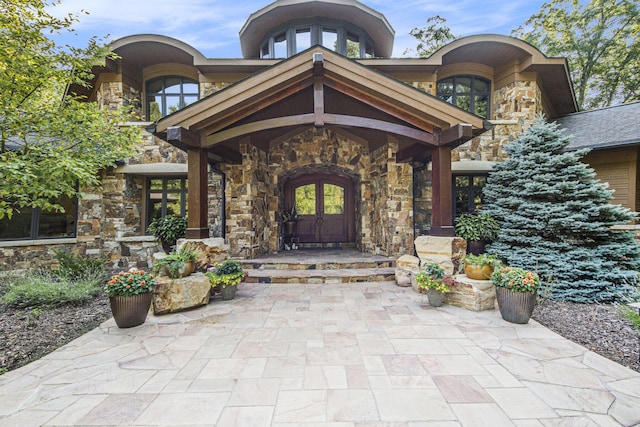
column 223, row 217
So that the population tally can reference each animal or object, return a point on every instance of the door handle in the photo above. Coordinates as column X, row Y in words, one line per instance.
column 319, row 222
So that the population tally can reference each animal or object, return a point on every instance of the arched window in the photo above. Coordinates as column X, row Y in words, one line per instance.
column 166, row 95
column 471, row 93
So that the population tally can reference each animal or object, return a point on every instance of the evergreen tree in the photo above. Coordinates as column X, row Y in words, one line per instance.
column 556, row 219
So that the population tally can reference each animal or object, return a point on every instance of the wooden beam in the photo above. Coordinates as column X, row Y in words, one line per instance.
column 318, row 102
column 182, row 137
column 442, row 192
column 228, row 154
column 456, row 135
column 198, row 194
column 258, row 126
column 381, row 125
column 411, row 152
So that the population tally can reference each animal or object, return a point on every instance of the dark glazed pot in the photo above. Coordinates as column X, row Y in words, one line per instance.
column 132, row 310
column 515, row 307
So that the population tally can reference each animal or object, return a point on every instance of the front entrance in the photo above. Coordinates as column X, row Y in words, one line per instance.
column 325, row 205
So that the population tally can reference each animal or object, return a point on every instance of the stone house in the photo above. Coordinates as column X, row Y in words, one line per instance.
column 372, row 150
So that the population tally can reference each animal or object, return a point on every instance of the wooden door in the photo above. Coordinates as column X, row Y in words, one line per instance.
column 325, row 206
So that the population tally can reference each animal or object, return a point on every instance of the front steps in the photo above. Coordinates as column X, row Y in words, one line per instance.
column 320, row 266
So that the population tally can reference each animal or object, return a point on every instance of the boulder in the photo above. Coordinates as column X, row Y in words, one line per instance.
column 171, row 295
column 445, row 251
column 407, row 266
column 474, row 295
column 210, row 251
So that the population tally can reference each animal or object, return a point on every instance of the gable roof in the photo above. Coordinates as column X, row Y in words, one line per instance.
column 609, row 127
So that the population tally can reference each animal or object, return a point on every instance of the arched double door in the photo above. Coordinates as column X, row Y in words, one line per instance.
column 326, row 208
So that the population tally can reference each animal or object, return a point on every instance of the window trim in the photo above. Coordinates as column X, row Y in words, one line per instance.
column 35, row 228
column 163, row 93
column 183, row 192
column 454, row 188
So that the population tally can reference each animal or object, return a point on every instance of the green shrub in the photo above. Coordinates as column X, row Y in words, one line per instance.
column 74, row 268
column 632, row 315
column 39, row 289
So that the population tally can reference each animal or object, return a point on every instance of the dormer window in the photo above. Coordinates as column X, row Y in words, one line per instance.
column 471, row 93
column 166, row 95
column 345, row 39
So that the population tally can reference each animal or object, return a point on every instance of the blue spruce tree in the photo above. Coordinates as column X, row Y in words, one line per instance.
column 556, row 219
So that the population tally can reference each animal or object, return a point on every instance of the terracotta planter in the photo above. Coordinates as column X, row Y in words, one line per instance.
column 478, row 271
column 436, row 298
column 189, row 267
column 515, row 307
column 132, row 310
column 228, row 293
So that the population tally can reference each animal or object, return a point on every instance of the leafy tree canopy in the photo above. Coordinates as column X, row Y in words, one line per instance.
column 556, row 219
column 432, row 37
column 600, row 39
column 50, row 142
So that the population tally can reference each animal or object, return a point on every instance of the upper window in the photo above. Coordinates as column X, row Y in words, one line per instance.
column 166, row 95
column 35, row 223
column 470, row 93
column 345, row 39
column 166, row 196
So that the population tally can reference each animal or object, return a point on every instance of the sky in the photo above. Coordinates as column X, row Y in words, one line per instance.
column 212, row 26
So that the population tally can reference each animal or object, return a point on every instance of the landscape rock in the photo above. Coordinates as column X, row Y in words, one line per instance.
column 171, row 295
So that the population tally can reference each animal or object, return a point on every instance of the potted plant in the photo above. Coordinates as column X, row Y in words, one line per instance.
column 176, row 264
column 225, row 277
column 130, row 297
column 480, row 267
column 289, row 219
column 476, row 229
column 167, row 230
column 516, row 293
column 433, row 279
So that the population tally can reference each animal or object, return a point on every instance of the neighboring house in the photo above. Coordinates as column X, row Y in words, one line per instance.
column 613, row 136
column 373, row 150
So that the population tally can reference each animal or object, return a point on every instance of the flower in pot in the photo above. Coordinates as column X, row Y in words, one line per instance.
column 225, row 277
column 167, row 230
column 176, row 264
column 433, row 279
column 130, row 297
column 476, row 229
column 289, row 218
column 516, row 293
column 480, row 267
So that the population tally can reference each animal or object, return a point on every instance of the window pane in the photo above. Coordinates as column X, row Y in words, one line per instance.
column 264, row 52
column 306, row 199
column 330, row 38
column 280, row 46
column 190, row 88
column 173, row 104
column 18, row 227
column 353, row 46
column 462, row 181
column 480, row 85
column 155, row 108
column 174, row 184
column 463, row 84
column 155, row 184
column 166, row 196
column 368, row 53
column 333, row 199
column 303, row 39
column 479, row 181
column 463, row 101
column 155, row 86
column 188, row 100
column 58, row 224
column 445, row 87
column 481, row 105
column 172, row 85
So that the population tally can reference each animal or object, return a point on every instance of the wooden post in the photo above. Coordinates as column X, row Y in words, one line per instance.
column 198, row 194
column 442, row 192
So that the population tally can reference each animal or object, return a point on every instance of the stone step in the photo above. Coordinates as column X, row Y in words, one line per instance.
column 317, row 276
column 268, row 264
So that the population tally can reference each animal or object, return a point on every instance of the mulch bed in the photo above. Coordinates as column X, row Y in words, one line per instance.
column 29, row 334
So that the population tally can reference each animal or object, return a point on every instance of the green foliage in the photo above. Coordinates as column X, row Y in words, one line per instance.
column 601, row 41
column 175, row 261
column 482, row 259
column 515, row 279
column 42, row 289
column 169, row 228
column 632, row 315
column 74, row 268
column 476, row 227
column 290, row 215
column 228, row 273
column 433, row 276
column 51, row 140
column 556, row 219
column 432, row 37
column 132, row 282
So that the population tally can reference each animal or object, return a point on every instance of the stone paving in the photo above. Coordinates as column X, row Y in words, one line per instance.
column 343, row 355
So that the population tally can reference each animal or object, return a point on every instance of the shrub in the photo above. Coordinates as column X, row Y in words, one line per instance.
column 37, row 289
column 74, row 268
column 132, row 282
column 228, row 273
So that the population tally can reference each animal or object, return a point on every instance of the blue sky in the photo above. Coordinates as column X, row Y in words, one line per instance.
column 212, row 26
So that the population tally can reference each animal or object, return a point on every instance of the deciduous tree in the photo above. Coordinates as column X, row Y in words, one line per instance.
column 432, row 37
column 600, row 39
column 50, row 142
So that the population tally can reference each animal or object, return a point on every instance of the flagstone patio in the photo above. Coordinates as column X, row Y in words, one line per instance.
column 343, row 354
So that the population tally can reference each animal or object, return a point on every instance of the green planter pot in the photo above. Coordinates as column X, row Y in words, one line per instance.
column 515, row 307
column 228, row 293
column 436, row 298
column 132, row 310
